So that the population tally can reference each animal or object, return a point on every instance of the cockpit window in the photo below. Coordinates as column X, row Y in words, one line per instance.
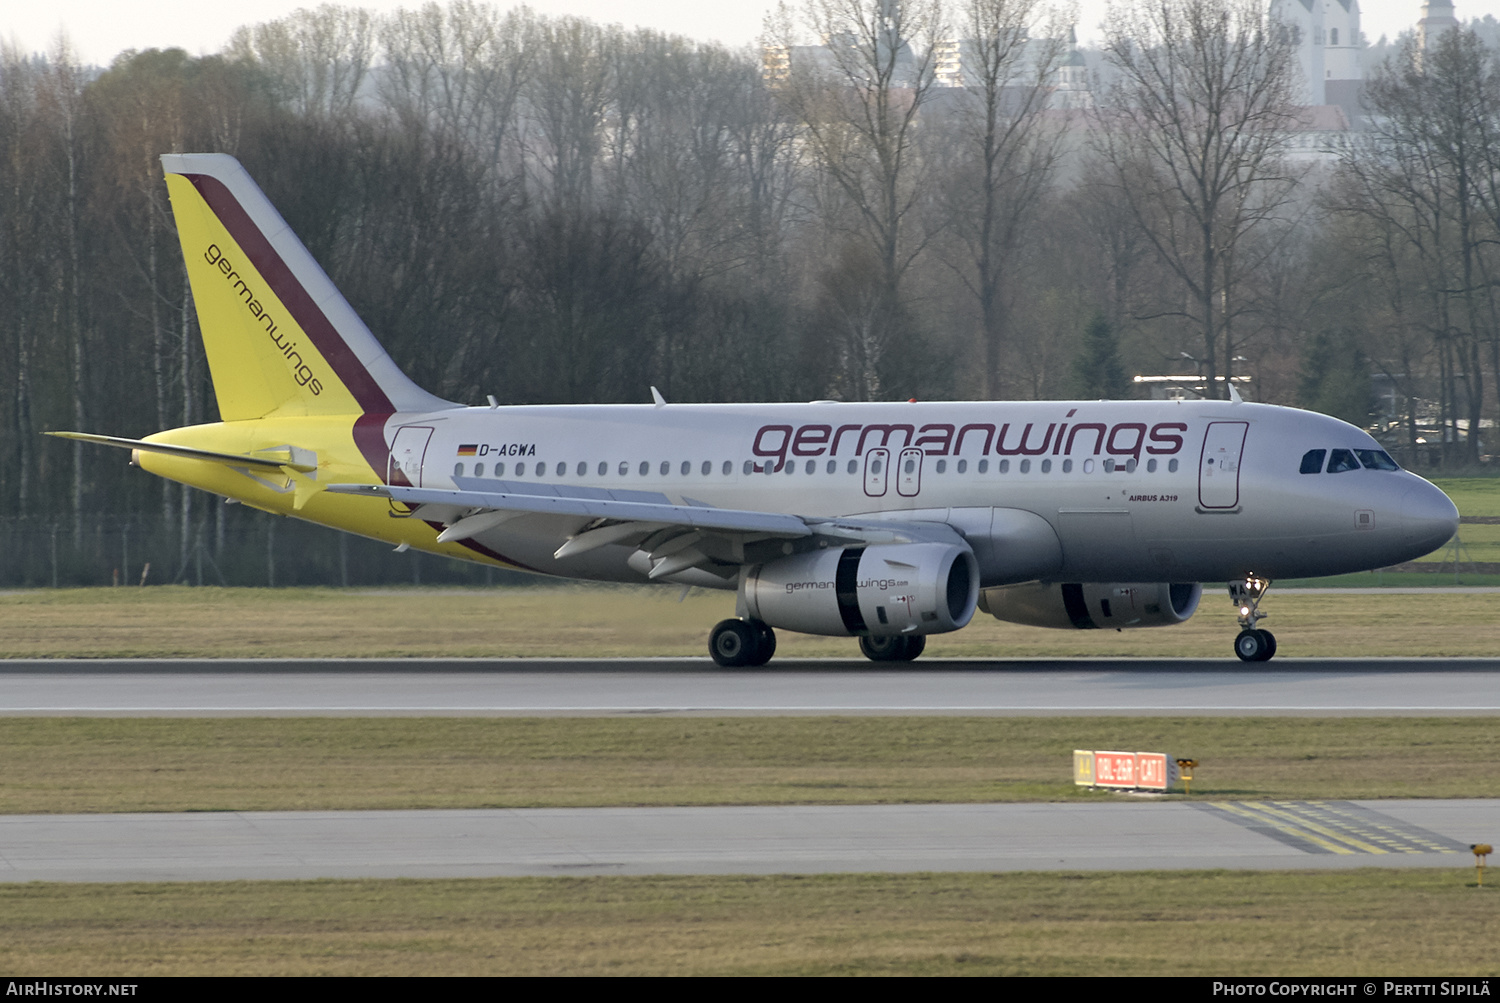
column 1312, row 461
column 1341, row 460
column 1376, row 459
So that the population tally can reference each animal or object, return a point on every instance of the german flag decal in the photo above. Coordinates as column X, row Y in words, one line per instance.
column 468, row 450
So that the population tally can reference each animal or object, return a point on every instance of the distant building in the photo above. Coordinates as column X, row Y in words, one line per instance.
column 1328, row 44
column 1437, row 17
column 954, row 63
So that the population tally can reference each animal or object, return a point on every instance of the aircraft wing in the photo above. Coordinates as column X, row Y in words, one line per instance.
column 686, row 516
column 674, row 539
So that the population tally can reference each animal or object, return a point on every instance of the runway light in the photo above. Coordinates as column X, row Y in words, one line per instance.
column 1481, row 850
column 1185, row 771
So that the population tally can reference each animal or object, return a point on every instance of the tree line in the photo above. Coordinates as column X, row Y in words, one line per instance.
column 551, row 210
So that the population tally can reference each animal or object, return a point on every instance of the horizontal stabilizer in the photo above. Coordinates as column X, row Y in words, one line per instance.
column 208, row 455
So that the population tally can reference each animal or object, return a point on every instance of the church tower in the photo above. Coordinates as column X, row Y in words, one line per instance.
column 1327, row 38
column 1437, row 17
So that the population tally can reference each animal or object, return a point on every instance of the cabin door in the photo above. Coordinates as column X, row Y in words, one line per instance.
column 408, row 450
column 1219, row 466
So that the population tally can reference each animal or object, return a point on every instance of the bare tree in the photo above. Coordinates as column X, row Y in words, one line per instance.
column 320, row 58
column 1005, row 154
column 859, row 96
column 1423, row 177
column 460, row 69
column 1194, row 131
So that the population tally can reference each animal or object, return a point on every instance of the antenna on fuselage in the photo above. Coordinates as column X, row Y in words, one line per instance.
column 658, row 398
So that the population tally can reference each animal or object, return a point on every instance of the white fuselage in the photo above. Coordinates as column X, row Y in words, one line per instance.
column 1134, row 491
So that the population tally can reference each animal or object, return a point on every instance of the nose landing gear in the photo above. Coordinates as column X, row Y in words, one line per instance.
column 1253, row 644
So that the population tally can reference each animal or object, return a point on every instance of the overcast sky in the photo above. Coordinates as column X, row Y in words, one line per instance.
column 100, row 29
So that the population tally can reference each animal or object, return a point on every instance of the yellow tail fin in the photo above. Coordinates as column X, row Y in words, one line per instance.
column 280, row 338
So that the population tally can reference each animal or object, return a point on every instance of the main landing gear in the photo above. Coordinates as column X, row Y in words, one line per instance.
column 900, row 648
column 1253, row 644
column 737, row 643
column 740, row 643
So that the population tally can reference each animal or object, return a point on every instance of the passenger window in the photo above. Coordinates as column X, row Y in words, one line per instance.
column 874, row 466
column 1171, row 466
column 833, row 466
column 728, row 467
column 1312, row 461
column 687, row 467
column 583, row 468
column 708, row 468
column 963, row 465
column 749, row 466
column 562, row 469
column 624, row 467
column 1150, row 466
column 520, row 470
column 942, row 466
column 499, row 470
column 853, row 466
column 1341, row 460
column 1375, row 459
column 645, row 467
column 1046, row 466
column 812, row 466
column 666, row 467
column 458, row 470
column 1004, row 466
column 1025, row 466
column 984, row 466
column 479, row 470
column 603, row 468
column 1067, row 466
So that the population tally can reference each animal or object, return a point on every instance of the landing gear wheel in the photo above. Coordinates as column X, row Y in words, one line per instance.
column 1254, row 645
column 733, row 643
column 765, row 639
column 892, row 649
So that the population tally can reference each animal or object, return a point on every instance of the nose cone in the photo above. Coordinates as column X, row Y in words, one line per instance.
column 1428, row 517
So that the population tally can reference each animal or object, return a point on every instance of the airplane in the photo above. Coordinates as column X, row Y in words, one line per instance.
column 887, row 522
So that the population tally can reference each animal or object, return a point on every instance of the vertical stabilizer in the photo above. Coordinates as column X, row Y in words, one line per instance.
column 281, row 339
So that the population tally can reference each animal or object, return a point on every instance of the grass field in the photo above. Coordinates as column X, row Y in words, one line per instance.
column 244, row 764
column 1347, row 923
column 598, row 621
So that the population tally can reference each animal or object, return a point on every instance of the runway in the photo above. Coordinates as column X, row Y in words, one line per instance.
column 223, row 846
column 373, row 687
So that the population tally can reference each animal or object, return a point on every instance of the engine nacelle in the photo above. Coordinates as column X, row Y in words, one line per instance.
column 882, row 590
column 1114, row 605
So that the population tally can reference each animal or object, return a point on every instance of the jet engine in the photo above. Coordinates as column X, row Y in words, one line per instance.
column 1115, row 605
column 880, row 590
